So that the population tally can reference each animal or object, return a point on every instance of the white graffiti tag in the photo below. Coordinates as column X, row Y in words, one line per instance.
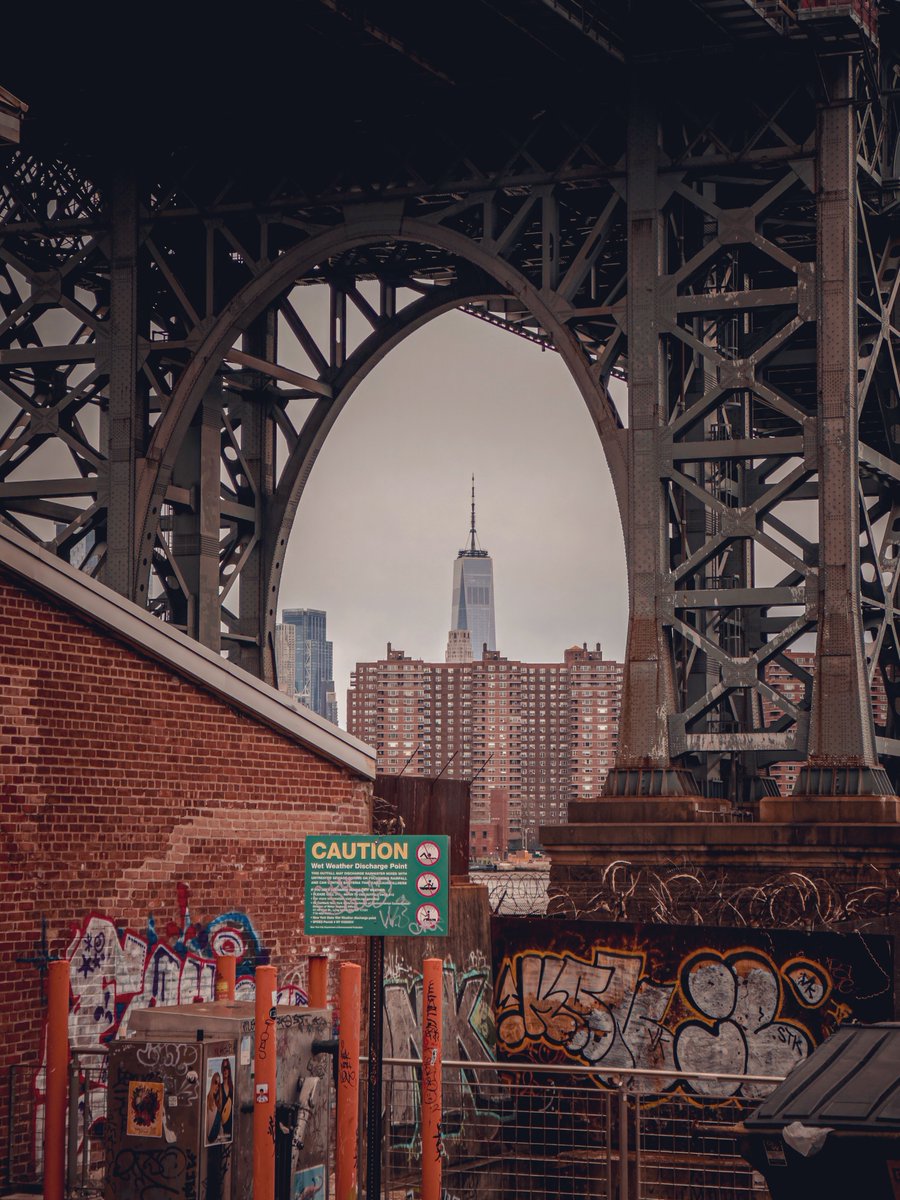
column 723, row 1012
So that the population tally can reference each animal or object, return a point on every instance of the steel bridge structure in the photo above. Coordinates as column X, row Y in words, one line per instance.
column 697, row 196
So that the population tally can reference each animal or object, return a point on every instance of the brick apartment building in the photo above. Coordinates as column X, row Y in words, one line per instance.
column 530, row 736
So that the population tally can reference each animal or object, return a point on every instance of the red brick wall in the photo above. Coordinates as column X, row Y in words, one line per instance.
column 119, row 780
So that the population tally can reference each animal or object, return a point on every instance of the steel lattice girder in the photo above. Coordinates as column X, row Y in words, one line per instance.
column 168, row 399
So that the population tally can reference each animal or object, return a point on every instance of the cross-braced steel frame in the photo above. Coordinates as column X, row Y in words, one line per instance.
column 175, row 349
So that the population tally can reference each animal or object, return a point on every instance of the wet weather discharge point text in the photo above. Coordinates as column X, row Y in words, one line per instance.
column 377, row 886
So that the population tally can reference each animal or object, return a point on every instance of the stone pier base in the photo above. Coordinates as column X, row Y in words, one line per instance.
column 808, row 872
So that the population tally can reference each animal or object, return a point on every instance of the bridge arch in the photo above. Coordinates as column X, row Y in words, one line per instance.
column 487, row 277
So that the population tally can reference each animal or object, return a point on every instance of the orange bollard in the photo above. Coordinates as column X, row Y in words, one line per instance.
column 432, row 1034
column 57, row 1080
column 226, row 967
column 348, row 1082
column 264, row 1086
column 318, row 981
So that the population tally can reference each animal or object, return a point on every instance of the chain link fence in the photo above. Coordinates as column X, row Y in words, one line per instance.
column 516, row 1131
column 24, row 1126
column 513, row 1131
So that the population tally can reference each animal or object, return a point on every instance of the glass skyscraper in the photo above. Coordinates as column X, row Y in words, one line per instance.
column 313, row 661
column 473, row 592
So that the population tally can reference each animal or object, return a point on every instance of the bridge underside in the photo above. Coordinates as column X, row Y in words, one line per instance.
column 700, row 201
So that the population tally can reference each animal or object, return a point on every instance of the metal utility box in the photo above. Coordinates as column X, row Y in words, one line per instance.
column 171, row 1109
column 183, row 1063
column 832, row 1128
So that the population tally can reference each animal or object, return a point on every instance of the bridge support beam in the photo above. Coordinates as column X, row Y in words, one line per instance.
column 644, row 781
column 257, row 431
column 843, row 760
column 194, row 536
column 125, row 420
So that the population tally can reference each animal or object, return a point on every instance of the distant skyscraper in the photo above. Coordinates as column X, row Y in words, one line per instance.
column 473, row 593
column 286, row 658
column 313, row 657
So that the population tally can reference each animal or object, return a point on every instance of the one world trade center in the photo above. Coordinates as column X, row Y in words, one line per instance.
column 473, row 593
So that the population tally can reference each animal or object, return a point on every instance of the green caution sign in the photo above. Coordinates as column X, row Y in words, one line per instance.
column 377, row 886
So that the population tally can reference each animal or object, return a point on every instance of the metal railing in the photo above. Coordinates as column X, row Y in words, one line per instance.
column 24, row 1126
column 86, row 1119
column 516, row 1131
column 522, row 1131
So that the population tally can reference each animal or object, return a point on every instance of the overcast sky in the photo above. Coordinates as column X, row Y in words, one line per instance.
column 387, row 505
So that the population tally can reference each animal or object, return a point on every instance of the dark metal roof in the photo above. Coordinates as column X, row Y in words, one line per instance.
column 851, row 1083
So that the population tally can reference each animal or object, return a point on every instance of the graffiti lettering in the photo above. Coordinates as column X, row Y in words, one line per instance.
column 468, row 1033
column 677, row 999
column 116, row 970
column 721, row 1014
column 151, row 1172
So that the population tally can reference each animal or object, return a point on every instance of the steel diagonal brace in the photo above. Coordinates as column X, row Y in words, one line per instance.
column 701, row 556
column 589, row 250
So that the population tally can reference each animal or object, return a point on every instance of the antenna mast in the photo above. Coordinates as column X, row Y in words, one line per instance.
column 472, row 530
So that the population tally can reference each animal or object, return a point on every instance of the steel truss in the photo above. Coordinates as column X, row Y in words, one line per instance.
column 186, row 425
column 167, row 385
column 762, row 369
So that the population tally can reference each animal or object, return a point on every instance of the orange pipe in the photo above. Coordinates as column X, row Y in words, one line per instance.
column 318, row 981
column 348, row 1082
column 57, row 1080
column 226, row 968
column 432, row 1037
column 264, row 1086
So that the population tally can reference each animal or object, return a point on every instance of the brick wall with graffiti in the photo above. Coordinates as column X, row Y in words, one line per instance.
column 680, row 998
column 115, row 969
column 119, row 780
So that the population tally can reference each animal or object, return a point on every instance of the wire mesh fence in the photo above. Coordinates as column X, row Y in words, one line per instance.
column 529, row 1132
column 501, row 1136
column 24, row 1125
column 687, row 1148
column 85, row 1161
column 509, row 1131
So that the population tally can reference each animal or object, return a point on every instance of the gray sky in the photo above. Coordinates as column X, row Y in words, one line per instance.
column 387, row 505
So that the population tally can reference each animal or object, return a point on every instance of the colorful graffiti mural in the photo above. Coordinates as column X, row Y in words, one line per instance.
column 115, row 969
column 680, row 998
column 468, row 1034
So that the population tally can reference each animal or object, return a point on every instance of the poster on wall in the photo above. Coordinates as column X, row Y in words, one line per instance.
column 145, row 1109
column 309, row 1184
column 219, row 1110
column 681, row 998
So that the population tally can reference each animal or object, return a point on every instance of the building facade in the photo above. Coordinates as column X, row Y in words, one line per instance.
column 313, row 661
column 159, row 780
column 534, row 735
column 286, row 658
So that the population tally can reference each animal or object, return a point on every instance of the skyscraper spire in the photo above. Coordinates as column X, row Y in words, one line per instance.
column 473, row 545
column 471, row 548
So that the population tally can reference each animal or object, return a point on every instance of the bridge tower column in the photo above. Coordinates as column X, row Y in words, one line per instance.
column 191, row 531
column 644, row 766
column 843, row 760
column 249, row 632
column 125, row 418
